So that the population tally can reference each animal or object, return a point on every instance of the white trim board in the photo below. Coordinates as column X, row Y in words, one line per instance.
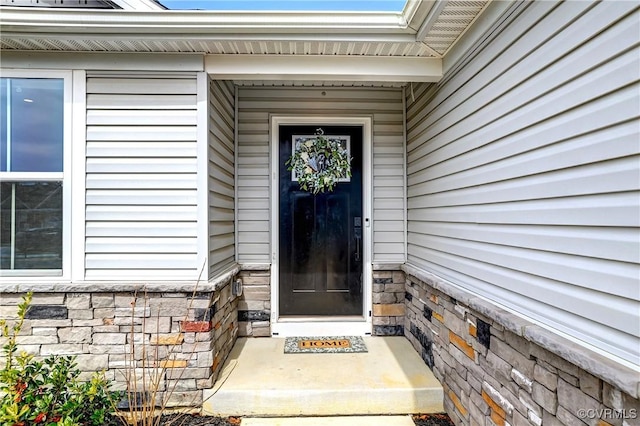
column 79, row 174
column 322, row 67
column 202, row 131
column 306, row 326
column 101, row 61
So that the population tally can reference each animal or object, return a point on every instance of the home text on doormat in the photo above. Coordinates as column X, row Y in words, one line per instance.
column 332, row 344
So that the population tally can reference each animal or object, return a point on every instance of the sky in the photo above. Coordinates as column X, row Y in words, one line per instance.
column 322, row 5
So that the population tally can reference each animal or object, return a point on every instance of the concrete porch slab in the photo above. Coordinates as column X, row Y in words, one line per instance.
column 260, row 380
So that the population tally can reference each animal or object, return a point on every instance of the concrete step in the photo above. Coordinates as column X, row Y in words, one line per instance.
column 330, row 421
column 260, row 380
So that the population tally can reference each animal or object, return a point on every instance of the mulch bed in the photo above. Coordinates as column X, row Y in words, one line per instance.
column 432, row 420
column 197, row 420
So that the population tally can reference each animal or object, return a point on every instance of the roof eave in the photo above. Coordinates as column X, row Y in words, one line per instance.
column 87, row 23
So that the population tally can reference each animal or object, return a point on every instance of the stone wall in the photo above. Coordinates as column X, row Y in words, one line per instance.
column 388, row 303
column 254, row 307
column 184, row 337
column 499, row 369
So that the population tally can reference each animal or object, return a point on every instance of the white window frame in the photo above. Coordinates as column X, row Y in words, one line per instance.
column 64, row 177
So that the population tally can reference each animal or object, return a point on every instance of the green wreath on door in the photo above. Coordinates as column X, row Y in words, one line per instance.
column 319, row 163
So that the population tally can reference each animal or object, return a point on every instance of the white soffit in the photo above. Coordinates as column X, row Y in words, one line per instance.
column 225, row 47
column 326, row 68
column 140, row 28
column 442, row 30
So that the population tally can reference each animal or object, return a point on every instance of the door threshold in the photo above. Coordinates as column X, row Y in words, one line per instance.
column 306, row 318
column 333, row 326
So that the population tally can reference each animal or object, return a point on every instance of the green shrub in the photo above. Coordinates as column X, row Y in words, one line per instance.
column 48, row 392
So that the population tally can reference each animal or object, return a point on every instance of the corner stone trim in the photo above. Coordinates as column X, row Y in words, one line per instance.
column 389, row 303
column 254, row 307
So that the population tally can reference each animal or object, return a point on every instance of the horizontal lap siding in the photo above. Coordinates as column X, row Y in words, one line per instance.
column 221, row 175
column 384, row 105
column 141, row 212
column 523, row 172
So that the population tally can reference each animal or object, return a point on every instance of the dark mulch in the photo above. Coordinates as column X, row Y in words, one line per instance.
column 197, row 420
column 432, row 420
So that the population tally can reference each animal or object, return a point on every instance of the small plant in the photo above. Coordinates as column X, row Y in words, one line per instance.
column 47, row 392
column 146, row 401
column 147, row 392
column 143, row 375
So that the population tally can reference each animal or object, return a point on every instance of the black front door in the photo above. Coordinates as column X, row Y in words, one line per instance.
column 320, row 238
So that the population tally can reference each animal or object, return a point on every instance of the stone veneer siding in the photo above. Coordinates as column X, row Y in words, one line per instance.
column 187, row 336
column 389, row 310
column 254, row 307
column 495, row 372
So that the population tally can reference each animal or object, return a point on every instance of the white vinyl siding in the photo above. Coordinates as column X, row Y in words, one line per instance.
column 523, row 171
column 386, row 108
column 141, row 184
column 221, row 174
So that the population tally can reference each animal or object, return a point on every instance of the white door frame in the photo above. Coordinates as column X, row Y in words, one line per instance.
column 331, row 326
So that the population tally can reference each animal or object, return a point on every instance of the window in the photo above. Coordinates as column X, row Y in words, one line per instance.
column 32, row 175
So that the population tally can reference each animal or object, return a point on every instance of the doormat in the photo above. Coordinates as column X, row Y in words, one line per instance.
column 324, row 345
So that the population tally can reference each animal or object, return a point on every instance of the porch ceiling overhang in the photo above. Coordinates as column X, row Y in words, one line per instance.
column 328, row 68
column 297, row 46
